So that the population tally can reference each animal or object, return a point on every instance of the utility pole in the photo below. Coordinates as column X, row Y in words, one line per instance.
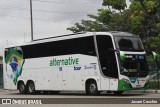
column 31, row 20
column 7, row 42
column 24, row 37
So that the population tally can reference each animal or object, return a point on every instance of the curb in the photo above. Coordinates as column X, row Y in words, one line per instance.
column 133, row 91
column 147, row 91
column 151, row 91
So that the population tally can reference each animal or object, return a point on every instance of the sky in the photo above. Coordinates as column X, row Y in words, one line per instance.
column 50, row 18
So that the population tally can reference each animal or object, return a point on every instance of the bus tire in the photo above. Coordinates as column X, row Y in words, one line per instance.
column 118, row 92
column 22, row 88
column 31, row 87
column 92, row 88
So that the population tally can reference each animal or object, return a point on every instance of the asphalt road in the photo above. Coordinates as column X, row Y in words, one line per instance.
column 129, row 94
column 80, row 98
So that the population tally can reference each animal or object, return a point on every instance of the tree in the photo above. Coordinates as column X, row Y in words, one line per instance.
column 120, row 22
column 104, row 21
column 144, row 17
column 98, row 23
column 115, row 4
column 87, row 25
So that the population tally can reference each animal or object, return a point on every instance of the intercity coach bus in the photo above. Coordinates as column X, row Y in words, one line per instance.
column 90, row 62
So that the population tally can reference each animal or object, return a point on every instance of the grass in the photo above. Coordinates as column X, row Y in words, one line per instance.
column 153, row 84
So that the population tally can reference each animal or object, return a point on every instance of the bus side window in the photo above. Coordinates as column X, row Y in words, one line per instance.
column 83, row 45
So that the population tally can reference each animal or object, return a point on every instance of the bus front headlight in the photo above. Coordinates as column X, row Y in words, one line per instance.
column 126, row 80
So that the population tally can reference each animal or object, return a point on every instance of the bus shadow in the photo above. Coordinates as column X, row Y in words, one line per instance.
column 82, row 94
column 124, row 95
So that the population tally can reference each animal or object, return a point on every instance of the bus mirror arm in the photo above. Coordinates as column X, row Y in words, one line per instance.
column 121, row 53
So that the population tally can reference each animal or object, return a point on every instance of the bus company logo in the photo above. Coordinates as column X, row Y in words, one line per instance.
column 6, row 101
column 77, row 68
column 133, row 79
column 21, row 101
column 90, row 67
column 14, row 61
column 63, row 62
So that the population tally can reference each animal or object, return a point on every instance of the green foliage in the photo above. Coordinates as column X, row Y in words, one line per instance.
column 153, row 43
column 158, row 26
column 137, row 24
column 115, row 4
column 135, row 6
column 87, row 25
column 1, row 57
column 104, row 21
column 120, row 22
column 99, row 23
column 150, row 6
column 153, row 84
column 104, row 16
column 144, row 17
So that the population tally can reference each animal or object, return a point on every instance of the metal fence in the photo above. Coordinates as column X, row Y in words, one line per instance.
column 154, row 72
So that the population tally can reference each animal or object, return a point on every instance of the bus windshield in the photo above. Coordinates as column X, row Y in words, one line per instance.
column 128, row 43
column 134, row 65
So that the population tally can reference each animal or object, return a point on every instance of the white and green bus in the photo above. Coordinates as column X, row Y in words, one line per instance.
column 91, row 62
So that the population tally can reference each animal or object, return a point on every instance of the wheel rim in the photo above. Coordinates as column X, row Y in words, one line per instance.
column 93, row 88
column 31, row 88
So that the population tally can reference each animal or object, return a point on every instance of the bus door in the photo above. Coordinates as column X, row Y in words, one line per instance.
column 107, row 60
column 57, row 78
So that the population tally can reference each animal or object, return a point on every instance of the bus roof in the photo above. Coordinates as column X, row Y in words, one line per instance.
column 114, row 33
column 118, row 33
column 71, row 36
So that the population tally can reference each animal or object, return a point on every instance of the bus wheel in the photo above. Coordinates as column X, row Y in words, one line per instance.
column 31, row 87
column 92, row 88
column 22, row 88
column 118, row 92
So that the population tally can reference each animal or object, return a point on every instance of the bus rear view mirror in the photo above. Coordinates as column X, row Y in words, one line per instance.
column 122, row 56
